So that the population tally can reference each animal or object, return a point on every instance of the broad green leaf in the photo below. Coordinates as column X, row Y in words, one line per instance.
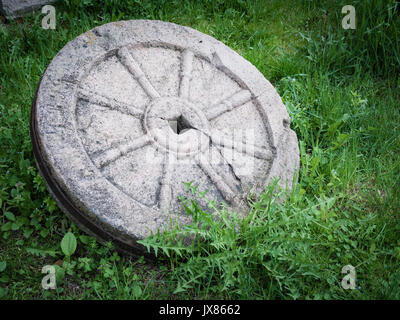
column 10, row 216
column 3, row 292
column 6, row 226
column 68, row 244
column 84, row 239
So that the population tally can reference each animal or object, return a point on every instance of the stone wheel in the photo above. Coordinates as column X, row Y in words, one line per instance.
column 128, row 111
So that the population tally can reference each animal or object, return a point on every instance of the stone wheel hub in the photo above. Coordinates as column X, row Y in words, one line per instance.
column 128, row 111
column 166, row 115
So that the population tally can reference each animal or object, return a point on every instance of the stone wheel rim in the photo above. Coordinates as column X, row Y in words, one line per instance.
column 68, row 206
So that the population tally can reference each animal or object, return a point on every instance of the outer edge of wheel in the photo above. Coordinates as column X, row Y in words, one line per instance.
column 67, row 206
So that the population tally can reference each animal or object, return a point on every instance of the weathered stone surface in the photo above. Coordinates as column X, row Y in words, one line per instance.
column 128, row 111
column 16, row 8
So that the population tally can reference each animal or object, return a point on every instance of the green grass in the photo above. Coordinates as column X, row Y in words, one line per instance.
column 342, row 90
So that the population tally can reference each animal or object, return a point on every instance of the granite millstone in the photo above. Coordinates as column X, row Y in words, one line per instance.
column 127, row 112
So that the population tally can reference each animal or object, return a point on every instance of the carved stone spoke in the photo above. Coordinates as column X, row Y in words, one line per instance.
column 133, row 67
column 165, row 188
column 113, row 104
column 114, row 153
column 221, row 184
column 236, row 100
column 230, row 177
column 247, row 147
column 186, row 73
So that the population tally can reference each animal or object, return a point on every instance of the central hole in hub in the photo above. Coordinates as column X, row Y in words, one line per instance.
column 179, row 125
